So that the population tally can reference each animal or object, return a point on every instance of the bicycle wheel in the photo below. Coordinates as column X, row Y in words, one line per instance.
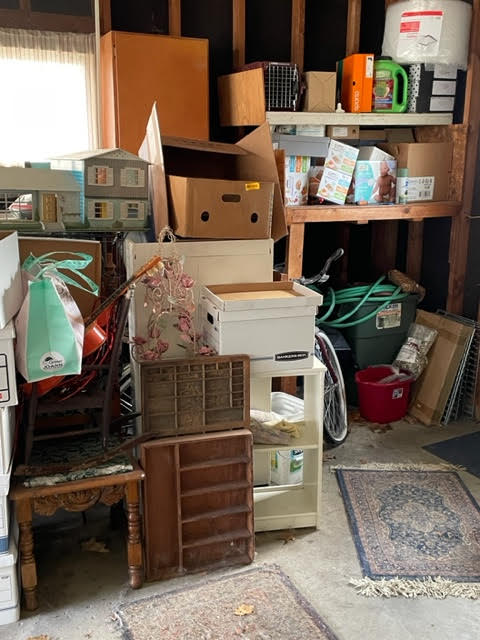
column 335, row 419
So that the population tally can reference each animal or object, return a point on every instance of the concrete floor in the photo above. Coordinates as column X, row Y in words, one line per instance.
column 79, row 591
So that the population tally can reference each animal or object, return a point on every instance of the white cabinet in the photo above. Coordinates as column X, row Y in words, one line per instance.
column 290, row 506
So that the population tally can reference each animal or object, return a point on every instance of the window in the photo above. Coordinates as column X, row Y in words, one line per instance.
column 132, row 177
column 16, row 207
column 100, row 210
column 49, row 93
column 133, row 210
column 100, row 175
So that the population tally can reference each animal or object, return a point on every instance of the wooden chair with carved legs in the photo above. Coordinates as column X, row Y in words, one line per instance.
column 96, row 402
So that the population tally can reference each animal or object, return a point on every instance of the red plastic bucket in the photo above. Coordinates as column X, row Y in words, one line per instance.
column 384, row 402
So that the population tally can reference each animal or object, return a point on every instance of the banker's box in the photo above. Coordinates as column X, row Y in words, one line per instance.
column 8, row 384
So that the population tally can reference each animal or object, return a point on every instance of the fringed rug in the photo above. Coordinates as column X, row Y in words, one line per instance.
column 257, row 603
column 417, row 532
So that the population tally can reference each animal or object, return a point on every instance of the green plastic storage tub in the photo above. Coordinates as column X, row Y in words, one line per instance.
column 378, row 340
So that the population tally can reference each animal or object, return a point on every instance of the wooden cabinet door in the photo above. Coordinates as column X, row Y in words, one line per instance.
column 140, row 69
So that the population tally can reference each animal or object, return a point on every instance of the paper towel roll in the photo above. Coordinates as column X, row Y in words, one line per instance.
column 428, row 31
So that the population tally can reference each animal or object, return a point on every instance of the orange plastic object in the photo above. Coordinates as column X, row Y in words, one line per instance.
column 357, row 83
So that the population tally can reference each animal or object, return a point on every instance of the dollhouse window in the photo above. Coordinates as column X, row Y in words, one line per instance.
column 100, row 210
column 132, row 177
column 133, row 210
column 100, row 175
column 16, row 207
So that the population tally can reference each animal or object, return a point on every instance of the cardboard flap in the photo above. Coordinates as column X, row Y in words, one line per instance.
column 206, row 146
column 151, row 150
column 261, row 163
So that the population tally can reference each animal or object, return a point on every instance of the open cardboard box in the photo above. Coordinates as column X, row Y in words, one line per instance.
column 39, row 246
column 250, row 160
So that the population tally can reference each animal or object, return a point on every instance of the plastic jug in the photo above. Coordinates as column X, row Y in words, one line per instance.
column 390, row 80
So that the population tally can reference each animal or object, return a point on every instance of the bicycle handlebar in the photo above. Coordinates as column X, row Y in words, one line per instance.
column 322, row 276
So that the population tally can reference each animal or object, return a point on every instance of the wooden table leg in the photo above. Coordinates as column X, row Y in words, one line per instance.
column 27, row 557
column 134, row 540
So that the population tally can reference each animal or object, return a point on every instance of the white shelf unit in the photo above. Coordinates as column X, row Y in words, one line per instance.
column 290, row 506
column 359, row 119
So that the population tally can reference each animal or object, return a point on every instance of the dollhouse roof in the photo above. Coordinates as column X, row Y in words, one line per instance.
column 114, row 154
column 21, row 179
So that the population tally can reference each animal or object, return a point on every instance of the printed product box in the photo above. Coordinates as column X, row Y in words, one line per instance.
column 296, row 180
column 431, row 90
column 286, row 467
column 338, row 172
column 375, row 177
column 8, row 383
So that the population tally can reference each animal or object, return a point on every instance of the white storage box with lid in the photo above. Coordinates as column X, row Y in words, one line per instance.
column 4, row 520
column 7, row 434
column 9, row 592
column 272, row 322
column 8, row 383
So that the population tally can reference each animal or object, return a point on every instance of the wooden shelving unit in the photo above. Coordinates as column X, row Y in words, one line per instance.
column 291, row 506
column 198, row 503
column 360, row 119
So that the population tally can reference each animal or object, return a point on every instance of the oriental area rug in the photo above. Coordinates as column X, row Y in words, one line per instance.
column 257, row 603
column 417, row 531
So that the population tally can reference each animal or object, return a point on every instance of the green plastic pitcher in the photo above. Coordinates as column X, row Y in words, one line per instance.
column 390, row 79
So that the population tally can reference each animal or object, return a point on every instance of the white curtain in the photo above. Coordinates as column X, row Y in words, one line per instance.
column 48, row 105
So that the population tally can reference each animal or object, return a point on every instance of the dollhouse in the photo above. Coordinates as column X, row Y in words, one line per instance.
column 113, row 188
column 38, row 199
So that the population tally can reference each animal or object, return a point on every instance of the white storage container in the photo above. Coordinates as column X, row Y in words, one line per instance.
column 11, row 290
column 8, row 383
column 4, row 521
column 272, row 322
column 7, row 434
column 9, row 592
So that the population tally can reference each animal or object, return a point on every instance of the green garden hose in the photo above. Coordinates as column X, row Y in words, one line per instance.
column 384, row 294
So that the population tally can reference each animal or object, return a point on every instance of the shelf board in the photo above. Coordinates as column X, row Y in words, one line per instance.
column 284, row 504
column 215, row 462
column 217, row 513
column 296, row 443
column 356, row 213
column 368, row 119
column 214, row 488
column 240, row 534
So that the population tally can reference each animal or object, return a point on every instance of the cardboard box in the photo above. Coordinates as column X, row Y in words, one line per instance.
column 8, row 380
column 429, row 165
column 321, row 91
column 257, row 319
column 343, row 132
column 374, row 177
column 250, row 160
column 432, row 390
column 224, row 209
column 357, row 82
column 39, row 246
column 11, row 291
column 296, row 180
column 338, row 172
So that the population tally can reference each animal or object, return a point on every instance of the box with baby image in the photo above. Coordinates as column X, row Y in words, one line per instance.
column 375, row 177
column 337, row 175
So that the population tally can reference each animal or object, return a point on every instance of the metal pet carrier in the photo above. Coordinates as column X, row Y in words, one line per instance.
column 282, row 84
